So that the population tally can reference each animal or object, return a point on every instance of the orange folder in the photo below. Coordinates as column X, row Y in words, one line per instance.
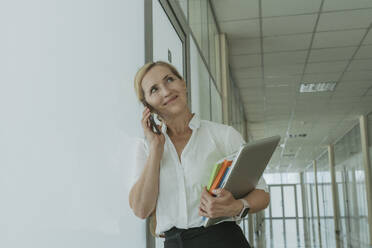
column 221, row 172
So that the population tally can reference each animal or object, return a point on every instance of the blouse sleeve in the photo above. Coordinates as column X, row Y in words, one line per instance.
column 262, row 185
column 140, row 157
column 233, row 140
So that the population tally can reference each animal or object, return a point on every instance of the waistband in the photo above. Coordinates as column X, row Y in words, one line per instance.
column 176, row 233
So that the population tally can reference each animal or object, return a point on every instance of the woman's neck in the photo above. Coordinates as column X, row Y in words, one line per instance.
column 179, row 125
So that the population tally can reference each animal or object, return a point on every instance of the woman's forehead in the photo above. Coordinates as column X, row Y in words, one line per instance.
column 155, row 74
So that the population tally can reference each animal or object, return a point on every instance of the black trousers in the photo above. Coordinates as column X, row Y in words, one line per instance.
column 223, row 235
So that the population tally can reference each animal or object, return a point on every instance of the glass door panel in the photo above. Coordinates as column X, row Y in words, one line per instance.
column 289, row 202
column 299, row 201
column 276, row 201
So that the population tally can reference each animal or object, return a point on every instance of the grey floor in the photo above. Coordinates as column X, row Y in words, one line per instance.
column 307, row 233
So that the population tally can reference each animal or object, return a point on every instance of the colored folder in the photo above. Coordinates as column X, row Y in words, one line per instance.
column 219, row 176
column 215, row 170
column 224, row 177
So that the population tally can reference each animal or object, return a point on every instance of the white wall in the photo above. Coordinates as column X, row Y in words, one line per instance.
column 68, row 118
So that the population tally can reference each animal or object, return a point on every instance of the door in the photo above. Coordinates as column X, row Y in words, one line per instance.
column 169, row 40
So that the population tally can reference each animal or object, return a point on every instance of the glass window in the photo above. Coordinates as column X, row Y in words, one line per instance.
column 198, row 22
column 289, row 203
column 328, row 204
column 216, row 104
column 200, row 91
column 204, row 28
column 272, row 178
column 290, row 177
column 236, row 113
column 195, row 19
column 324, row 185
column 213, row 44
column 320, row 200
column 276, row 201
column 282, row 178
column 313, row 195
column 351, row 183
column 299, row 200
column 183, row 5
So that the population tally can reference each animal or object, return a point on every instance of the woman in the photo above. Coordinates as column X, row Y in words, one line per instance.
column 173, row 166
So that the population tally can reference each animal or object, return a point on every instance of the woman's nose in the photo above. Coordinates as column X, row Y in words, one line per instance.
column 165, row 91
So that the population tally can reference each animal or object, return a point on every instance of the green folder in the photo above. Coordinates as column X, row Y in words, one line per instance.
column 216, row 168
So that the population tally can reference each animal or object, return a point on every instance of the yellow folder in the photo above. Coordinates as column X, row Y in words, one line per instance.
column 213, row 175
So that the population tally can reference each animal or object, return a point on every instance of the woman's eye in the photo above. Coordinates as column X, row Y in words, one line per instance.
column 153, row 90
column 170, row 79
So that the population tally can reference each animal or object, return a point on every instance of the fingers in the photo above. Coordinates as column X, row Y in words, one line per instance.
column 146, row 112
column 202, row 212
column 213, row 207
column 207, row 203
column 205, row 194
column 222, row 193
column 203, row 201
column 209, row 210
column 203, row 208
column 150, row 134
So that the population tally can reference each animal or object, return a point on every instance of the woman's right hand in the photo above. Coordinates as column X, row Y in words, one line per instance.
column 155, row 140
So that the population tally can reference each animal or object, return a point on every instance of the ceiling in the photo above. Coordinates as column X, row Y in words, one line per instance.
column 274, row 45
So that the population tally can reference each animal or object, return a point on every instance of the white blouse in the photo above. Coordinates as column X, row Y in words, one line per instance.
column 181, row 181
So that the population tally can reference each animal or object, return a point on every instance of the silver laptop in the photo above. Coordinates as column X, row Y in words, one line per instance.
column 247, row 168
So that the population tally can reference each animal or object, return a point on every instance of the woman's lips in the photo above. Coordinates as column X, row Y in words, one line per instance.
column 171, row 100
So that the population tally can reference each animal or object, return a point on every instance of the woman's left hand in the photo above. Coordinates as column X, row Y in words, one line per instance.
column 223, row 204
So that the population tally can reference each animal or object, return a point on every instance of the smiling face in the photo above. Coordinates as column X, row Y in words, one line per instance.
column 164, row 91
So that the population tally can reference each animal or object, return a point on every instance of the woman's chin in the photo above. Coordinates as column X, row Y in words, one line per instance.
column 175, row 110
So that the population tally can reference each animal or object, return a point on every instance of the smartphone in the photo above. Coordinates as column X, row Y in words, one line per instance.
column 153, row 125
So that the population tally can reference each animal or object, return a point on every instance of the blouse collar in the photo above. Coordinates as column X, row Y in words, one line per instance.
column 193, row 124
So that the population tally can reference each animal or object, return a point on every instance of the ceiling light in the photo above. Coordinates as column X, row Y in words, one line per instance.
column 317, row 87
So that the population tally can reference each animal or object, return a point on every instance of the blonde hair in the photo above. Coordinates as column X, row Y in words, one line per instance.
column 142, row 72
